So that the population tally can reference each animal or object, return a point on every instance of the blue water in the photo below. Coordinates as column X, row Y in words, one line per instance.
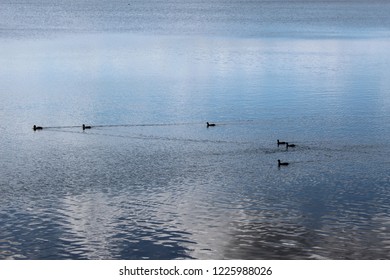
column 149, row 180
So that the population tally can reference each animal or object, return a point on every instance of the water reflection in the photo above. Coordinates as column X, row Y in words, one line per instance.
column 218, row 78
column 119, row 228
column 202, row 205
column 185, row 191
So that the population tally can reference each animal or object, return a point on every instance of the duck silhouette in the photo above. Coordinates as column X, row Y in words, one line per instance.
column 280, row 142
column 282, row 163
column 210, row 124
column 37, row 127
column 86, row 127
column 290, row 145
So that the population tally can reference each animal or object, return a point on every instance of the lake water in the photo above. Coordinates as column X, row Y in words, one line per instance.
column 150, row 180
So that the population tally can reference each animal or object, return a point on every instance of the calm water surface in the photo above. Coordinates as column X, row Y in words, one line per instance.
column 150, row 180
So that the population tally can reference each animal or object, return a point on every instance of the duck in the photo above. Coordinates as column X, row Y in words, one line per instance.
column 37, row 127
column 280, row 142
column 86, row 127
column 282, row 163
column 290, row 145
column 210, row 124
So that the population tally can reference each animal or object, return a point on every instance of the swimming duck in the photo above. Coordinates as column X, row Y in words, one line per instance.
column 289, row 145
column 210, row 124
column 86, row 127
column 282, row 163
column 281, row 142
column 37, row 127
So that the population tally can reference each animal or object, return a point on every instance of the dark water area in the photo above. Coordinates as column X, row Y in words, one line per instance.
column 150, row 180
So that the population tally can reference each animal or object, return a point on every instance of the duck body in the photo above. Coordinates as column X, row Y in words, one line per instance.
column 282, row 163
column 210, row 124
column 280, row 142
column 290, row 145
column 37, row 127
column 86, row 127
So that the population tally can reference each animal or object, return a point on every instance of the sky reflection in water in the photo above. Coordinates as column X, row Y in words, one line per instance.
column 163, row 186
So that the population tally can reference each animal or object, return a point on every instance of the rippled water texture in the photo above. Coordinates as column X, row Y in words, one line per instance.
column 149, row 180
